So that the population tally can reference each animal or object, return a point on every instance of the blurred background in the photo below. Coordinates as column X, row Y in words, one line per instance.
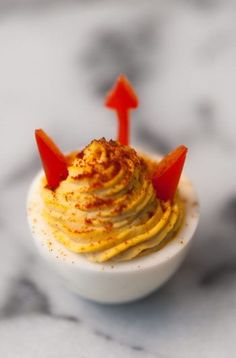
column 58, row 58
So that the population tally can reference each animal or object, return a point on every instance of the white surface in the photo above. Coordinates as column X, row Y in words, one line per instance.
column 53, row 62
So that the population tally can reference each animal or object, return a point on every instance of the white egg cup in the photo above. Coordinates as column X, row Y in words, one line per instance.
column 113, row 282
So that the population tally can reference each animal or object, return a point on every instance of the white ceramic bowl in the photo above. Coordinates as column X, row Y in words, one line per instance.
column 113, row 282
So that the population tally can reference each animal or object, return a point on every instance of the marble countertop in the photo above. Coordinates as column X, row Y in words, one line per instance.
column 58, row 58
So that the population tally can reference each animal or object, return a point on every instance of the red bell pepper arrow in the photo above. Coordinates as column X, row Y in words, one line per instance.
column 53, row 160
column 168, row 172
column 122, row 98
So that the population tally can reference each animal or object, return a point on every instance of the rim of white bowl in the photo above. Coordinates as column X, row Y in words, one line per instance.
column 53, row 250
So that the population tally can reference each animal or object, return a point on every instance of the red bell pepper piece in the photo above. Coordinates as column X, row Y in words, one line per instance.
column 122, row 98
column 168, row 172
column 53, row 160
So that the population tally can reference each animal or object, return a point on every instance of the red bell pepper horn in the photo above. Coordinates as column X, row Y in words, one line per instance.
column 168, row 172
column 53, row 160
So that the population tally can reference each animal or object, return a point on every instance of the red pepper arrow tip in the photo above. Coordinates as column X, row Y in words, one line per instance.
column 122, row 95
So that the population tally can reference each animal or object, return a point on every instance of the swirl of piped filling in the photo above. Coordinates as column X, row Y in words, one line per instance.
column 107, row 207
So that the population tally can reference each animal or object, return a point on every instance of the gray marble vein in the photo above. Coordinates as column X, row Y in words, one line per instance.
column 219, row 273
column 112, row 52
column 24, row 298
